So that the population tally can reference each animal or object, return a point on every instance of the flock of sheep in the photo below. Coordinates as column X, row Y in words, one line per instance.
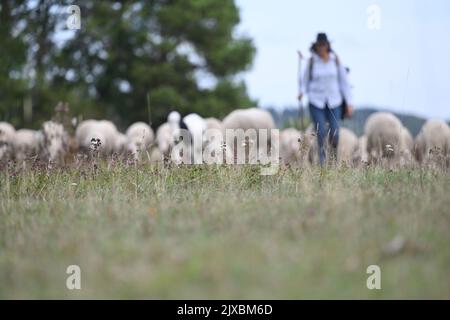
column 384, row 138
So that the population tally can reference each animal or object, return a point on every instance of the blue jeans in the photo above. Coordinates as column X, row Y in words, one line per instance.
column 319, row 118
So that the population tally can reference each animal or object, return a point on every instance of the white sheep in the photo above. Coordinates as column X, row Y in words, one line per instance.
column 164, row 138
column 247, row 119
column 178, row 144
column 384, row 133
column 408, row 139
column 213, row 123
column 27, row 144
column 433, row 139
column 294, row 146
column 346, row 149
column 360, row 155
column 214, row 148
column 196, row 126
column 55, row 141
column 140, row 137
column 168, row 133
column 407, row 147
column 98, row 135
column 7, row 133
column 174, row 120
column 110, row 131
column 348, row 144
column 168, row 136
column 213, row 137
column 252, row 118
column 89, row 136
column 120, row 144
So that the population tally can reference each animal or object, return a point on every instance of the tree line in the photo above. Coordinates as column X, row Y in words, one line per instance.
column 129, row 61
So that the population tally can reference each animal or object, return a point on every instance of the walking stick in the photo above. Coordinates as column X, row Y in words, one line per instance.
column 149, row 110
column 300, row 103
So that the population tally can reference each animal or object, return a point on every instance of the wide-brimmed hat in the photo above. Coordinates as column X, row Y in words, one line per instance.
column 322, row 38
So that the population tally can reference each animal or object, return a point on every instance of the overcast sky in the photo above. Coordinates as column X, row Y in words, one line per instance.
column 403, row 66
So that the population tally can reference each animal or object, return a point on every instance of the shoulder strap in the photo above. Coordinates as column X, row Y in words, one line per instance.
column 338, row 65
column 311, row 66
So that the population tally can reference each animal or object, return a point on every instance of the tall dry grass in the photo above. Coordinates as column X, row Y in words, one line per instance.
column 148, row 231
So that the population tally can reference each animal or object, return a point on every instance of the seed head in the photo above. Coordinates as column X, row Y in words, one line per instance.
column 95, row 144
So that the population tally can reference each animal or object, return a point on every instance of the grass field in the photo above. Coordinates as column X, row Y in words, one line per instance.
column 224, row 232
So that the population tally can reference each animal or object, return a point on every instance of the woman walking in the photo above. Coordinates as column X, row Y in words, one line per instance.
column 326, row 84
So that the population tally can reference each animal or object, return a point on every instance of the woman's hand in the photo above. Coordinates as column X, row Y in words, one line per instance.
column 349, row 111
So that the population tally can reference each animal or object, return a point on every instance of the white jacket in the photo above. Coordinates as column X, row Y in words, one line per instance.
column 328, row 85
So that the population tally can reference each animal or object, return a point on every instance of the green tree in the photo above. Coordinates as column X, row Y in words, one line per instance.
column 28, row 50
column 13, row 58
column 182, row 54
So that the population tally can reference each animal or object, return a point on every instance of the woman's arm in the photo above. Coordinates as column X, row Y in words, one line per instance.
column 344, row 85
column 346, row 90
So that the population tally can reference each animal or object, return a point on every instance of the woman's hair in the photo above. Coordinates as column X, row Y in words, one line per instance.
column 313, row 47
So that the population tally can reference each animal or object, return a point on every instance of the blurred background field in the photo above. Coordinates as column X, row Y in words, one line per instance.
column 224, row 232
